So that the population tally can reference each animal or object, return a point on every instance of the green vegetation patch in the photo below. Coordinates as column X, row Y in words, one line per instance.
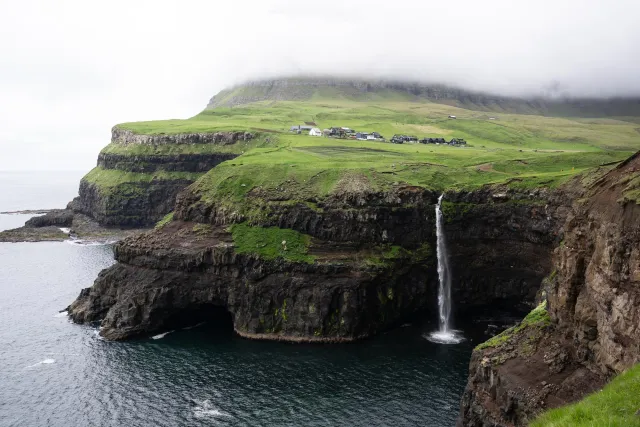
column 109, row 179
column 538, row 318
column 615, row 405
column 164, row 221
column 522, row 151
column 271, row 242
column 259, row 140
column 631, row 192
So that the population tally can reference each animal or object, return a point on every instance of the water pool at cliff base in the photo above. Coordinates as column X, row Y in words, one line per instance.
column 55, row 373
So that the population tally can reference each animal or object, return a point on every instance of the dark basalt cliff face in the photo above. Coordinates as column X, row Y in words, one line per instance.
column 141, row 202
column 171, row 163
column 593, row 297
column 176, row 277
column 191, row 265
column 138, row 204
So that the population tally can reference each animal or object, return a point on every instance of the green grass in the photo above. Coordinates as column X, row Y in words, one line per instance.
column 267, row 242
column 396, row 115
column 109, row 179
column 615, row 405
column 537, row 318
column 164, row 221
column 304, row 168
column 523, row 151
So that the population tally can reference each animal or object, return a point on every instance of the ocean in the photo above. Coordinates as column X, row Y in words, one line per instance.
column 56, row 373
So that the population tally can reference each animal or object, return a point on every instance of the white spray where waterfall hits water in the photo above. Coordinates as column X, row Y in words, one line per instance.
column 444, row 335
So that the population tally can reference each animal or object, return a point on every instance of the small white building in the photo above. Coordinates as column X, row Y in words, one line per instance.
column 452, row 117
column 315, row 132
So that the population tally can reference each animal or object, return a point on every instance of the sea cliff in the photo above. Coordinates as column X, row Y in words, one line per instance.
column 591, row 330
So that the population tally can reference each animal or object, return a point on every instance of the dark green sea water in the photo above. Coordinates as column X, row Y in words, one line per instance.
column 55, row 373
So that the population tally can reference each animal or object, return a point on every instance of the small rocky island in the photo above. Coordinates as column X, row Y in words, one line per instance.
column 287, row 237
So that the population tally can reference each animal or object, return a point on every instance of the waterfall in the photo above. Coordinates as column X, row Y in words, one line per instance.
column 444, row 334
column 444, row 275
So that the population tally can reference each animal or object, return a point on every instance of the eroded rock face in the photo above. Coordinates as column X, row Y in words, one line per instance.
column 596, row 292
column 500, row 242
column 593, row 295
column 340, row 296
column 163, row 275
column 170, row 163
column 123, row 136
column 141, row 204
column 403, row 216
column 138, row 204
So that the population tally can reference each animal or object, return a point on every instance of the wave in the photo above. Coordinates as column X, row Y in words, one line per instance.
column 160, row 336
column 205, row 409
column 44, row 362
column 82, row 242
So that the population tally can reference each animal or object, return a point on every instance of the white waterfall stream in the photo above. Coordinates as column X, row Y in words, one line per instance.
column 444, row 335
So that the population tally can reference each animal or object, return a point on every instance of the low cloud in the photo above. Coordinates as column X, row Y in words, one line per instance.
column 70, row 70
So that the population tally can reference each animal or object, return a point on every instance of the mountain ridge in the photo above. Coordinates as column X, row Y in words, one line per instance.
column 360, row 89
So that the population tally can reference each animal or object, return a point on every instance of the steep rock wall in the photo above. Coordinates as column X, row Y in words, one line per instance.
column 500, row 242
column 338, row 297
column 165, row 274
column 142, row 201
column 173, row 163
column 124, row 136
column 134, row 204
column 593, row 297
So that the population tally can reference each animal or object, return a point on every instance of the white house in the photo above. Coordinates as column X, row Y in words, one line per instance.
column 315, row 132
column 452, row 117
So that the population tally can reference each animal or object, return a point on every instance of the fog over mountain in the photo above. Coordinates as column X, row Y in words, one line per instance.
column 69, row 71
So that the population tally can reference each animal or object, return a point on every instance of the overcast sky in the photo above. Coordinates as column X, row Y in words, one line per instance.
column 71, row 69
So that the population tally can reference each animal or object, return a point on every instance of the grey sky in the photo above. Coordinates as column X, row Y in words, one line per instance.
column 69, row 70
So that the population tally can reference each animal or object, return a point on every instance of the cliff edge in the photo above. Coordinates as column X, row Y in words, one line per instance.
column 592, row 329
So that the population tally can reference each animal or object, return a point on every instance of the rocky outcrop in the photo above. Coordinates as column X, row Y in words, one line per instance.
column 124, row 136
column 64, row 224
column 142, row 200
column 402, row 216
column 134, row 204
column 593, row 299
column 179, row 275
column 55, row 217
column 172, row 163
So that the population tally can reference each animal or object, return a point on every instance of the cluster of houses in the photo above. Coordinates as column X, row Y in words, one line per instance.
column 401, row 139
column 310, row 128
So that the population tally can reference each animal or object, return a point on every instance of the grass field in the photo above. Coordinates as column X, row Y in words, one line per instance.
column 521, row 150
column 614, row 406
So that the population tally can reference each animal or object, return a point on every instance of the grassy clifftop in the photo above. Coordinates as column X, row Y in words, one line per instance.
column 420, row 119
column 617, row 404
column 521, row 150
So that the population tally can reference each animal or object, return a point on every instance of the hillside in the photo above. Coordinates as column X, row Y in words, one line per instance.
column 328, row 88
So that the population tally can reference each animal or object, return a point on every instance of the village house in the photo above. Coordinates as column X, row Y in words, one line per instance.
column 300, row 129
column 315, row 132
